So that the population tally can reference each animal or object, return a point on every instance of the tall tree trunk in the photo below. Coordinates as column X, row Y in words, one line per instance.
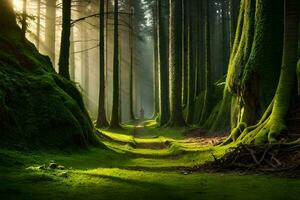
column 175, row 65
column 163, row 65
column 254, row 66
column 65, row 40
column 207, row 102
column 186, row 30
column 131, row 46
column 72, row 56
column 287, row 80
column 115, row 117
column 50, row 29
column 24, row 19
column 155, row 57
column 225, row 44
column 200, row 49
column 101, row 120
column 192, row 62
column 38, row 24
column 106, row 48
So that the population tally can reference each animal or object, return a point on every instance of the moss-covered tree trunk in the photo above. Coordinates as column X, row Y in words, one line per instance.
column 163, row 64
column 101, row 120
column 175, row 65
column 272, row 121
column 254, row 66
column 65, row 40
column 115, row 116
column 255, row 59
column 284, row 92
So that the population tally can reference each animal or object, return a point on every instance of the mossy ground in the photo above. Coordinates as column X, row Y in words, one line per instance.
column 126, row 171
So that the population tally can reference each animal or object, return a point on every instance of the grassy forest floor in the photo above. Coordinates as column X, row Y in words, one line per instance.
column 140, row 162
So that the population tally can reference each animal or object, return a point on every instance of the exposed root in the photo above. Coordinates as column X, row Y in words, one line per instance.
column 269, row 157
column 266, row 130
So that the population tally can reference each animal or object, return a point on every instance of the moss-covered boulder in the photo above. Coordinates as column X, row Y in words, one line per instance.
column 38, row 108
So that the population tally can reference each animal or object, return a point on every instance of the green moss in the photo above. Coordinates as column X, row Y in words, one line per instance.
column 102, row 174
column 38, row 108
column 254, row 66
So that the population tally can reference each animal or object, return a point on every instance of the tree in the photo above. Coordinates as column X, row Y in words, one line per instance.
column 163, row 64
column 175, row 65
column 186, row 18
column 65, row 40
column 38, row 24
column 101, row 120
column 225, row 41
column 254, row 66
column 192, row 62
column 155, row 56
column 273, row 121
column 24, row 19
column 131, row 46
column 50, row 29
column 115, row 117
column 207, row 101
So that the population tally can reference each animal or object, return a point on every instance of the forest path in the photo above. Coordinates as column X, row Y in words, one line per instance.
column 144, row 138
column 133, row 167
column 124, row 172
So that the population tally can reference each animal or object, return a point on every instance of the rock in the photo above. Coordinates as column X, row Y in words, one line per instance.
column 63, row 174
column 184, row 172
column 43, row 167
column 61, row 167
column 53, row 166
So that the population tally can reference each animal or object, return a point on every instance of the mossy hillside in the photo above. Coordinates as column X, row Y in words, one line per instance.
column 38, row 108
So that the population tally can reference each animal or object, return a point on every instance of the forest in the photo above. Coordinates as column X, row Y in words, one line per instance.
column 150, row 99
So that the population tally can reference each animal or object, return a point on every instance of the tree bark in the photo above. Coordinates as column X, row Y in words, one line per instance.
column 101, row 120
column 24, row 19
column 38, row 24
column 284, row 92
column 131, row 46
column 175, row 65
column 115, row 118
column 207, row 101
column 65, row 40
column 191, row 43
column 163, row 65
column 155, row 57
